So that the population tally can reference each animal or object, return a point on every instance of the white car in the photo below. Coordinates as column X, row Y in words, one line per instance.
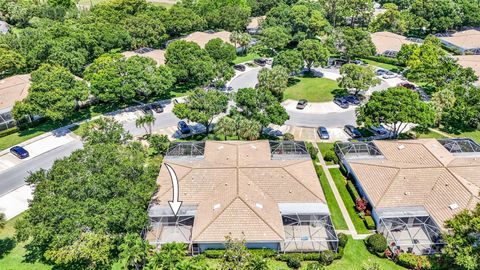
column 389, row 75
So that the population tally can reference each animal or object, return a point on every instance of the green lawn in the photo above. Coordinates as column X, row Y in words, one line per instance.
column 382, row 65
column 312, row 89
column 356, row 255
column 245, row 58
column 475, row 135
column 324, row 147
column 430, row 134
column 340, row 182
column 335, row 213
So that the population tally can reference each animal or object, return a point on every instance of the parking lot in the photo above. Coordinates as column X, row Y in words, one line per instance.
column 310, row 134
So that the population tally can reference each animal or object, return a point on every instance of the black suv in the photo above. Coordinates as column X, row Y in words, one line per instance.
column 342, row 102
column 352, row 131
column 239, row 67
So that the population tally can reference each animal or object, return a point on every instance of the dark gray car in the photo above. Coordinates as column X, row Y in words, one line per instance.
column 323, row 133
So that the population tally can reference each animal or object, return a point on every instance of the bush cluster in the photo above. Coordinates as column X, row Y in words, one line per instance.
column 9, row 131
column 330, row 156
column 369, row 222
column 342, row 240
column 312, row 150
column 352, row 190
column 412, row 261
column 294, row 262
column 376, row 243
column 262, row 253
column 214, row 253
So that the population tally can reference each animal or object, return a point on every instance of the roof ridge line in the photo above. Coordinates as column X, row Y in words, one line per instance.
column 264, row 221
column 389, row 185
column 315, row 195
column 210, row 223
column 462, row 182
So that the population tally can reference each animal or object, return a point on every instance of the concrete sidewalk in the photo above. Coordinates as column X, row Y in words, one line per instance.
column 15, row 202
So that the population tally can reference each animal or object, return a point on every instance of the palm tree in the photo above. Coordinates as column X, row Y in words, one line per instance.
column 3, row 220
column 146, row 121
column 226, row 126
column 249, row 129
column 135, row 251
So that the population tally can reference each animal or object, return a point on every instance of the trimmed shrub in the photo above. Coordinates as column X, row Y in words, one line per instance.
column 311, row 256
column 330, row 156
column 315, row 266
column 369, row 223
column 327, row 257
column 263, row 252
column 412, row 261
column 352, row 190
column 339, row 254
column 294, row 262
column 214, row 253
column 288, row 137
column 312, row 150
column 376, row 243
column 342, row 240
column 9, row 131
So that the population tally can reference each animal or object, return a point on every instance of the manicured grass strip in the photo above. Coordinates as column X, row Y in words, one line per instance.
column 382, row 65
column 356, row 256
column 245, row 58
column 325, row 147
column 335, row 213
column 312, row 89
column 340, row 182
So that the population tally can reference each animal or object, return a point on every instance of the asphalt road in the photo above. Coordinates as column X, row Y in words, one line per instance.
column 329, row 120
column 14, row 177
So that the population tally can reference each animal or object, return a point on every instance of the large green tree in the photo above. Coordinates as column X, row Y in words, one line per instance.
column 221, row 51
column 275, row 37
column 463, row 238
column 355, row 42
column 214, row 11
column 273, row 80
column 356, row 78
column 181, row 20
column 314, row 53
column 10, row 61
column 114, row 78
column 146, row 31
column 292, row 60
column 261, row 106
column 189, row 63
column 396, row 107
column 202, row 106
column 86, row 203
column 54, row 93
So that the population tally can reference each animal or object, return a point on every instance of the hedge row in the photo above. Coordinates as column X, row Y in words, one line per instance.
column 352, row 190
column 412, row 261
column 9, row 131
column 218, row 253
column 384, row 59
column 369, row 222
column 325, row 257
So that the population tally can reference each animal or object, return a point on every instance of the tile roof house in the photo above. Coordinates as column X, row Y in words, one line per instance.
column 12, row 89
column 470, row 61
column 202, row 38
column 157, row 55
column 3, row 27
column 253, row 26
column 414, row 186
column 467, row 41
column 389, row 44
column 257, row 190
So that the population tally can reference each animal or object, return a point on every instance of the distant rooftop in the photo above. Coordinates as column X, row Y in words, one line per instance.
column 202, row 38
column 3, row 27
column 468, row 39
column 440, row 175
column 13, row 89
column 388, row 41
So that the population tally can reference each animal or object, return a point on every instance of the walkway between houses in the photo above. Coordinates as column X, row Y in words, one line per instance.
column 351, row 228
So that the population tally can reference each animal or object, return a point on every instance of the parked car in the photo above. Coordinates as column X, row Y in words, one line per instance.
column 352, row 131
column 302, row 103
column 354, row 100
column 407, row 85
column 183, row 127
column 269, row 61
column 380, row 72
column 323, row 133
column 358, row 62
column 147, row 109
column 380, row 130
column 389, row 75
column 19, row 152
column 239, row 67
column 158, row 108
column 260, row 61
column 341, row 102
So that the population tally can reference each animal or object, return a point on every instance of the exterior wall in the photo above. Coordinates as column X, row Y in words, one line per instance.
column 205, row 246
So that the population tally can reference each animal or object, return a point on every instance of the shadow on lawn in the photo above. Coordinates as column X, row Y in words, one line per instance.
column 6, row 245
column 340, row 92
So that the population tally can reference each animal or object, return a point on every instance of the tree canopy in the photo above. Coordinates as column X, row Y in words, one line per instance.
column 202, row 106
column 396, row 107
column 54, row 93
column 86, row 203
column 356, row 78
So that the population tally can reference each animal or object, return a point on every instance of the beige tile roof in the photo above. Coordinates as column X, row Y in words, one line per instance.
column 237, row 187
column 419, row 173
column 202, row 38
column 157, row 55
column 469, row 39
column 13, row 89
column 470, row 61
column 255, row 22
column 385, row 41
